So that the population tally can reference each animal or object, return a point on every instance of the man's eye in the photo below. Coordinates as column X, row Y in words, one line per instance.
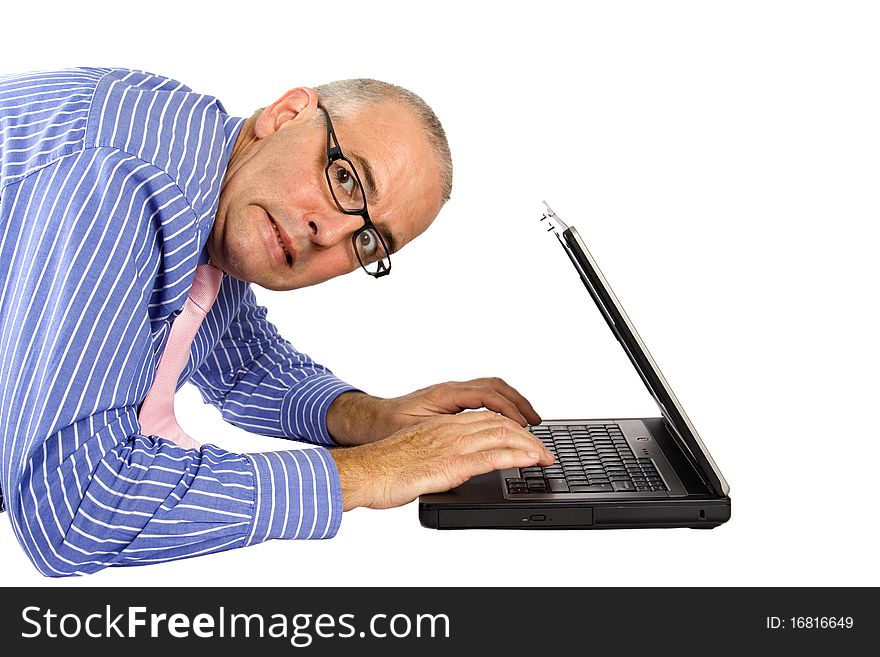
column 345, row 180
column 368, row 242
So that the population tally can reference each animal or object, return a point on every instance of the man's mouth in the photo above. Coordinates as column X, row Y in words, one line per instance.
column 281, row 241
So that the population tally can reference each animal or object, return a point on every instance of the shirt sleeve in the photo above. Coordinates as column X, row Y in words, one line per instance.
column 84, row 488
column 261, row 384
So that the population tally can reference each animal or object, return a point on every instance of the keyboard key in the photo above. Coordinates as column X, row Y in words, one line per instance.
column 557, row 486
column 622, row 485
column 596, row 488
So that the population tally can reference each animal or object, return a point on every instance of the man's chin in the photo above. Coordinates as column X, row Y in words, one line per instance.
column 278, row 280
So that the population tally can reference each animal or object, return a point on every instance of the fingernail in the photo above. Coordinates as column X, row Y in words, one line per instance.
column 534, row 455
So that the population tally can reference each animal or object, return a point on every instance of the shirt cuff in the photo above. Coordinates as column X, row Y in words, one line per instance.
column 297, row 495
column 304, row 408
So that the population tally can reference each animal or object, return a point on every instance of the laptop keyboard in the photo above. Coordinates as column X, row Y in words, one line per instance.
column 591, row 458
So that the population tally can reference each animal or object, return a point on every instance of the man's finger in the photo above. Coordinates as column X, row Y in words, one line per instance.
column 470, row 416
column 523, row 406
column 498, row 459
column 496, row 437
column 486, row 397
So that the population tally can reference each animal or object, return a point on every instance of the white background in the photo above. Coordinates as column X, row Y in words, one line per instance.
column 721, row 161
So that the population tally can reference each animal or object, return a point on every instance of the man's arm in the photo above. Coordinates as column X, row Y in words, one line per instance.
column 121, row 498
column 84, row 488
column 356, row 418
column 260, row 383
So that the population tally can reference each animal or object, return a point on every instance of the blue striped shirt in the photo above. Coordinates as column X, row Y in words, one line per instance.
column 109, row 183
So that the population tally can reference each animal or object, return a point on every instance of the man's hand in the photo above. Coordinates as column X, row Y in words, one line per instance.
column 356, row 418
column 440, row 453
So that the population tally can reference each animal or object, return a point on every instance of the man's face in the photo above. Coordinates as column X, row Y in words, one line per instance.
column 277, row 179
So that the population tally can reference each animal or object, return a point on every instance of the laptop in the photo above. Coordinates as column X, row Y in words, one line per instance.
column 610, row 473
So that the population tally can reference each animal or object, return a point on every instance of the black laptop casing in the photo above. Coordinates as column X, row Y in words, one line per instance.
column 701, row 500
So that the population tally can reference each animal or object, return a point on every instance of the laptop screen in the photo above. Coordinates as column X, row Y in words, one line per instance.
column 637, row 352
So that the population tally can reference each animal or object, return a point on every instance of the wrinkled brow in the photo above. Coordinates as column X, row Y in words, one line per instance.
column 370, row 180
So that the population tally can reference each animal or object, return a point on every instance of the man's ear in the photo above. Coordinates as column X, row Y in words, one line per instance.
column 293, row 103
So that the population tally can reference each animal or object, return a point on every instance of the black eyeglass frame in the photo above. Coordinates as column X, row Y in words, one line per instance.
column 334, row 154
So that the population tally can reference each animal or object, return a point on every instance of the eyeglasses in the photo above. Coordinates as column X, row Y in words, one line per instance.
column 348, row 194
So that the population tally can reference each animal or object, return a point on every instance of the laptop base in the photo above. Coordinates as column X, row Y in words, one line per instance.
column 480, row 503
column 693, row 514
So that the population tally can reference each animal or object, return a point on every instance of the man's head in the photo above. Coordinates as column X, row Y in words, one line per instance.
column 276, row 179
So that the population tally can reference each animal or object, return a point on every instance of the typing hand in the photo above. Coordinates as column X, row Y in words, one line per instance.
column 454, row 397
column 356, row 418
column 438, row 454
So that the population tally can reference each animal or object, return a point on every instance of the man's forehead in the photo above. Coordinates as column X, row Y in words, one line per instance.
column 396, row 164
column 384, row 129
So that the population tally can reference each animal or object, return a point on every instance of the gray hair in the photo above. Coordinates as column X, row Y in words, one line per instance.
column 346, row 97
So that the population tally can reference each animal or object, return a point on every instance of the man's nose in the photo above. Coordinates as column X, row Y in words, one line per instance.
column 328, row 230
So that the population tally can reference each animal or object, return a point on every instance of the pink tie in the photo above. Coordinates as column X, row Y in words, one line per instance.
column 157, row 412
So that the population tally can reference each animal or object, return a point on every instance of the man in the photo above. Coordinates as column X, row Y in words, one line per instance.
column 117, row 188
